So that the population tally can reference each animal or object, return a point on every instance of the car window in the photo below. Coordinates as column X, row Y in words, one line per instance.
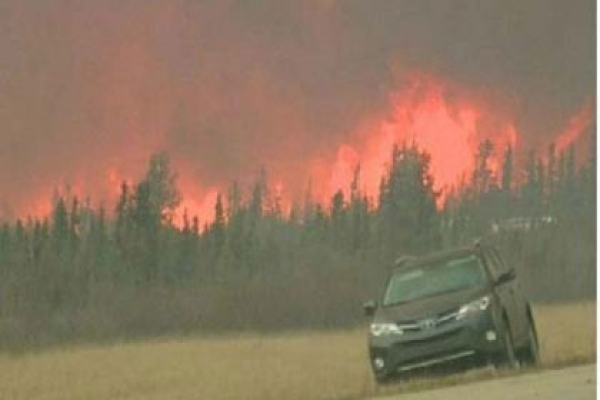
column 493, row 264
column 500, row 261
column 496, row 264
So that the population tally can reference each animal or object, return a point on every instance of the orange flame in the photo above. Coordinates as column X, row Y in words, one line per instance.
column 448, row 131
column 444, row 122
column 576, row 126
column 199, row 206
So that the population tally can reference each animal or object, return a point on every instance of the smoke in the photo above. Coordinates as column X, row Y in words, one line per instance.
column 88, row 90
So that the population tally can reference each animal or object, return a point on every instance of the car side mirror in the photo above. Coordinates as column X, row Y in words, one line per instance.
column 369, row 308
column 506, row 277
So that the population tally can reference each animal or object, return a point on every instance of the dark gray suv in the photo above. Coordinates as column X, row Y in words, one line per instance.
column 460, row 304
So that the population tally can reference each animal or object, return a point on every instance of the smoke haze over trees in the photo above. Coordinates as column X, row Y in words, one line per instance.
column 229, row 165
column 126, row 270
column 89, row 92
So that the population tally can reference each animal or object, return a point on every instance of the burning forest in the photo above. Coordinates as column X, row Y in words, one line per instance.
column 198, row 157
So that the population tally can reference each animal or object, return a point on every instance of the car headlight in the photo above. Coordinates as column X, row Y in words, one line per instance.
column 378, row 329
column 481, row 304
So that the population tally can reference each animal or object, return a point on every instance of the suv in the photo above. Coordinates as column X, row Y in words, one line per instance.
column 460, row 304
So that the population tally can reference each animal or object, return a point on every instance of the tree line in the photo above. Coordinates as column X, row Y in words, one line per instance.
column 91, row 273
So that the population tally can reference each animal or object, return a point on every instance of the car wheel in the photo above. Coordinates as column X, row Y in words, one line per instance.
column 532, row 354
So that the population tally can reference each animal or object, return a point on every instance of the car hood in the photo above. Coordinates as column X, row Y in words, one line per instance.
column 428, row 307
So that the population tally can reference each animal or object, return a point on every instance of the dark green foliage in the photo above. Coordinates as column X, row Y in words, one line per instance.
column 545, row 224
column 60, row 227
column 507, row 170
column 160, row 189
column 483, row 176
column 86, row 273
column 408, row 218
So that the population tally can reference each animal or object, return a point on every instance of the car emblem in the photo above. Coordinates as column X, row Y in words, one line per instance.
column 427, row 324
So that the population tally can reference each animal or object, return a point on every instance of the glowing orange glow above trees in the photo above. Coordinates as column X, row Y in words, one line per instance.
column 576, row 126
column 200, row 206
column 442, row 120
column 309, row 90
column 423, row 114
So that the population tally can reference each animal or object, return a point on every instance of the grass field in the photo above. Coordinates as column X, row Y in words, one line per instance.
column 307, row 365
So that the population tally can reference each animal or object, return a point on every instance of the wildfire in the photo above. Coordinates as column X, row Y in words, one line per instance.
column 440, row 119
column 577, row 125
column 199, row 206
column 422, row 114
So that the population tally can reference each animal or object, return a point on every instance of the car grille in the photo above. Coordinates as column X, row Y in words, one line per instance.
column 425, row 324
column 430, row 339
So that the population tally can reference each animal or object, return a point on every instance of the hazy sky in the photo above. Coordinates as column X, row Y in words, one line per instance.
column 89, row 89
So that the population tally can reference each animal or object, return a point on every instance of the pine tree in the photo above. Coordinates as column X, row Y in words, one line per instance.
column 309, row 204
column 358, row 210
column 60, row 227
column 161, row 183
column 260, row 195
column 532, row 190
column 338, row 219
column 74, row 226
column 123, row 212
column 218, row 226
column 507, row 170
column 483, row 178
column 408, row 210
column 5, row 246
column 234, row 201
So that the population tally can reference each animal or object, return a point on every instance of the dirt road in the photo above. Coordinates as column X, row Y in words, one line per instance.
column 575, row 383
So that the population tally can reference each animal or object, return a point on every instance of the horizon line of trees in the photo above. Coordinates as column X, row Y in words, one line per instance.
column 80, row 273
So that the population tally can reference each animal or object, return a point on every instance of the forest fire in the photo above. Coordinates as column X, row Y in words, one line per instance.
column 319, row 95
column 448, row 130
column 423, row 114
column 428, row 113
column 576, row 127
column 176, row 168
column 200, row 206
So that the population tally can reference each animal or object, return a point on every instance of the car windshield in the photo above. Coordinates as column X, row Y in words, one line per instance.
column 432, row 280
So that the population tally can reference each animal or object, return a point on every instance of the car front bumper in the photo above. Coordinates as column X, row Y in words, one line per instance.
column 476, row 335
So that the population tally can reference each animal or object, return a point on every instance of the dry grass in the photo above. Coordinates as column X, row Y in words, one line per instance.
column 298, row 366
column 567, row 333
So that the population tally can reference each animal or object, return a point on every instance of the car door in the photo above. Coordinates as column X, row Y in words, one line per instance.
column 504, row 291
column 520, row 320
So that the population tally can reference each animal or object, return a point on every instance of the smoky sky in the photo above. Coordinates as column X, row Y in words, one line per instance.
column 88, row 90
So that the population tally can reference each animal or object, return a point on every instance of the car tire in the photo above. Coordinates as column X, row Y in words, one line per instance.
column 532, row 352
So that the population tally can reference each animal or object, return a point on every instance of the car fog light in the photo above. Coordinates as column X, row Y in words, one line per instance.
column 378, row 363
column 490, row 336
